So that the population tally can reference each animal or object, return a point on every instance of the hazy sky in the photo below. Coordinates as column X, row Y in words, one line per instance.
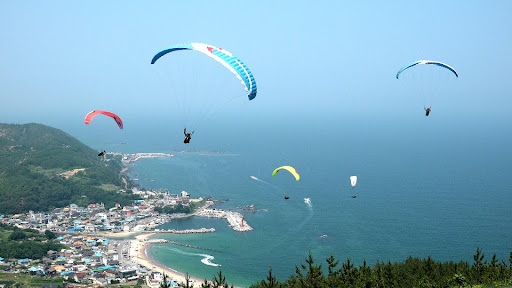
column 309, row 58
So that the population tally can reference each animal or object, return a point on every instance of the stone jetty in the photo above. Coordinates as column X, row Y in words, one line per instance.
column 235, row 219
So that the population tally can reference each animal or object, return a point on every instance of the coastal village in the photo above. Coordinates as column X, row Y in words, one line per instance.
column 108, row 246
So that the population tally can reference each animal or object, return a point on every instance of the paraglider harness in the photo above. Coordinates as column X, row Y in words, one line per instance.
column 188, row 136
column 427, row 111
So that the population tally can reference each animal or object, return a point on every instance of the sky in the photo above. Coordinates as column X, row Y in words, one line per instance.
column 310, row 58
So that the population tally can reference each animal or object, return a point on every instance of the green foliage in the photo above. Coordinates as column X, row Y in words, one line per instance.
column 50, row 235
column 165, row 282
column 478, row 266
column 271, row 281
column 179, row 208
column 413, row 272
column 26, row 243
column 218, row 281
column 170, row 209
column 187, row 283
column 32, row 155
column 17, row 235
column 27, row 281
column 27, row 249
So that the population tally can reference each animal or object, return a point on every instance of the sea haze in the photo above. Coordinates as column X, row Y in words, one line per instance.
column 426, row 186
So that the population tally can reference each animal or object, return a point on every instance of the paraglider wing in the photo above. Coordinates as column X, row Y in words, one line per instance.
column 289, row 169
column 235, row 65
column 427, row 62
column 93, row 114
column 353, row 180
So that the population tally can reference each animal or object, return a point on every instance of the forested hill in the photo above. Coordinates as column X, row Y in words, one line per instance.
column 32, row 157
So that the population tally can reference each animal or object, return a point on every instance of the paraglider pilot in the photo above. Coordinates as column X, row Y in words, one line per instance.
column 427, row 111
column 188, row 136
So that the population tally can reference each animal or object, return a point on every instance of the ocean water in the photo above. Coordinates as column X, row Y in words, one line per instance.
column 427, row 186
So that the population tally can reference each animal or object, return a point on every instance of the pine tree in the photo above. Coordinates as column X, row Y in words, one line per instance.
column 459, row 280
column 219, row 281
column 334, row 274
column 314, row 276
column 164, row 283
column 493, row 268
column 206, row 284
column 365, row 275
column 510, row 261
column 348, row 273
column 271, row 280
column 187, row 281
column 478, row 265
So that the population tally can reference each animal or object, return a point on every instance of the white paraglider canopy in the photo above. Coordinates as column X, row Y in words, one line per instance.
column 353, row 180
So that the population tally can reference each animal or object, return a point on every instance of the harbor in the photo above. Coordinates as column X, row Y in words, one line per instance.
column 128, row 158
column 235, row 219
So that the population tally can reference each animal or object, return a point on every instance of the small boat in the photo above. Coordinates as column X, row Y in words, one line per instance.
column 307, row 200
column 354, row 196
column 323, row 236
column 286, row 197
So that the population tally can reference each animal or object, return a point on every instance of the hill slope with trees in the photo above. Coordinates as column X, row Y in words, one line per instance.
column 32, row 157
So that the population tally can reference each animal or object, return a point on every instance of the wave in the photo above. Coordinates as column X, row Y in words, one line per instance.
column 265, row 182
column 206, row 258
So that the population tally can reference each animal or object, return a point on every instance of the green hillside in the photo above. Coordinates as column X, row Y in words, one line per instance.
column 33, row 155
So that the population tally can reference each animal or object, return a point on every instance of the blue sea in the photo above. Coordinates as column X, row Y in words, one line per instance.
column 434, row 186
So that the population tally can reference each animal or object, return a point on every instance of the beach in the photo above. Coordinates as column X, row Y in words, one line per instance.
column 139, row 244
column 139, row 249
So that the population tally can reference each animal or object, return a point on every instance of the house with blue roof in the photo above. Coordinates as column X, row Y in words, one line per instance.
column 24, row 261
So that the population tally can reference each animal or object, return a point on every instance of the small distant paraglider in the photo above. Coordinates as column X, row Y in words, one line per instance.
column 353, row 182
column 92, row 114
column 188, row 136
column 290, row 169
column 88, row 118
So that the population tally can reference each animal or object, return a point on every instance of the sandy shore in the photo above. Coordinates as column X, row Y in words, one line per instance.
column 139, row 249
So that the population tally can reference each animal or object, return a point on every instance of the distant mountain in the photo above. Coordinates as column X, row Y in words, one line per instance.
column 34, row 159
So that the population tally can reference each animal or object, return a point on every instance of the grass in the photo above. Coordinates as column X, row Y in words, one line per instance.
column 46, row 172
column 25, row 280
column 109, row 187
column 29, row 281
column 4, row 235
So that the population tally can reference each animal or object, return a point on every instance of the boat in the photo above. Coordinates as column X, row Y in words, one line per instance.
column 307, row 200
column 323, row 236
column 286, row 197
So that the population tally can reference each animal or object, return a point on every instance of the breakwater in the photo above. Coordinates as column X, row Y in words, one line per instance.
column 128, row 158
column 191, row 246
column 235, row 219
column 187, row 231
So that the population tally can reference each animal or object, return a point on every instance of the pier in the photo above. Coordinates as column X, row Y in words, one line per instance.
column 188, row 245
column 235, row 219
column 128, row 158
column 187, row 231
